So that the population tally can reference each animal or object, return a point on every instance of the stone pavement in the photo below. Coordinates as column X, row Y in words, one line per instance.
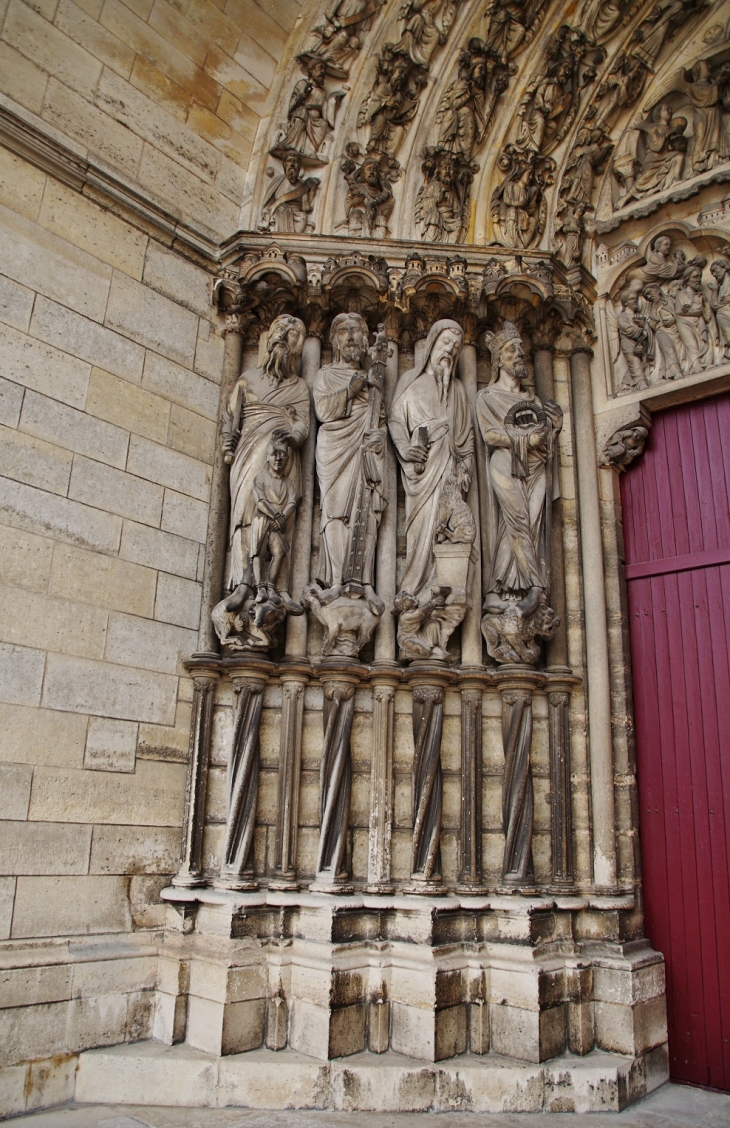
column 672, row 1106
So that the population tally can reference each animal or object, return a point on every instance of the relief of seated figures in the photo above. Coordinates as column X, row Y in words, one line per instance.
column 670, row 318
column 683, row 136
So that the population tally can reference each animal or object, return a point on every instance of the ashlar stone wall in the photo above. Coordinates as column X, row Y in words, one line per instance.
column 167, row 95
column 109, row 371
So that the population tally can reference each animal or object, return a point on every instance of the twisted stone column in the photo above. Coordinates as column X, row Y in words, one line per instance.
column 335, row 781
column 428, row 786
column 242, row 777
column 516, row 686
column 429, row 684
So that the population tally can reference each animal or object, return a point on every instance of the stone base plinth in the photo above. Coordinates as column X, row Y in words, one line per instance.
column 431, row 978
column 150, row 1073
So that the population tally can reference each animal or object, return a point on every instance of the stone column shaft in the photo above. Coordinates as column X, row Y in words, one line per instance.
column 596, row 627
column 471, row 633
column 294, row 669
column 242, row 776
column 517, row 685
column 296, row 626
column 386, row 673
column 561, row 826
column 429, row 685
column 335, row 778
column 381, row 788
column 205, row 675
column 385, row 558
column 556, row 650
column 470, row 839
column 217, row 538
column 290, row 757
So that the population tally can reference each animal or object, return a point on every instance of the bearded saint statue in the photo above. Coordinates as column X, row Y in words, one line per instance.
column 519, row 433
column 250, row 424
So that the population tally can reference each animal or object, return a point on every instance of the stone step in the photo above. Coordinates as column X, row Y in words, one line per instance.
column 153, row 1073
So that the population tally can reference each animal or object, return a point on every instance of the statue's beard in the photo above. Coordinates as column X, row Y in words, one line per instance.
column 443, row 375
column 351, row 354
column 278, row 363
column 517, row 371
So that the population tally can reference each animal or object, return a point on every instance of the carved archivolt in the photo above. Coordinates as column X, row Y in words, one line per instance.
column 387, row 112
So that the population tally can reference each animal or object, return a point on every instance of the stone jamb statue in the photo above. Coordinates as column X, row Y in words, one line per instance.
column 348, row 401
column 260, row 439
column 430, row 424
column 519, row 433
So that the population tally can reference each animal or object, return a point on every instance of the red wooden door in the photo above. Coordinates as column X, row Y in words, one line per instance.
column 676, row 516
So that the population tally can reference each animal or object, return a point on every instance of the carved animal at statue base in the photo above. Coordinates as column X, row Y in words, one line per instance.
column 511, row 636
column 347, row 622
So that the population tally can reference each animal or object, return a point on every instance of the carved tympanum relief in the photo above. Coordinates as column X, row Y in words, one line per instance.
column 651, row 153
column 685, row 134
column 670, row 316
column 260, row 436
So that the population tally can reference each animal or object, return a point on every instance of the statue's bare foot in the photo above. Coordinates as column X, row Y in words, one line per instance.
column 330, row 594
column 493, row 605
column 289, row 605
column 439, row 653
column 530, row 602
column 374, row 601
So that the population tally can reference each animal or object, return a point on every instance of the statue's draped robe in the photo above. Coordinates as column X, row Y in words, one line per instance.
column 515, row 506
column 258, row 420
column 416, row 404
column 339, row 462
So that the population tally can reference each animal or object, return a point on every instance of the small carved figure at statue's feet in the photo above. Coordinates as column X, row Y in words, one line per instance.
column 530, row 602
column 225, row 613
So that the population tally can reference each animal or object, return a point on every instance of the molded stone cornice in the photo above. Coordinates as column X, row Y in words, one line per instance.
column 35, row 141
